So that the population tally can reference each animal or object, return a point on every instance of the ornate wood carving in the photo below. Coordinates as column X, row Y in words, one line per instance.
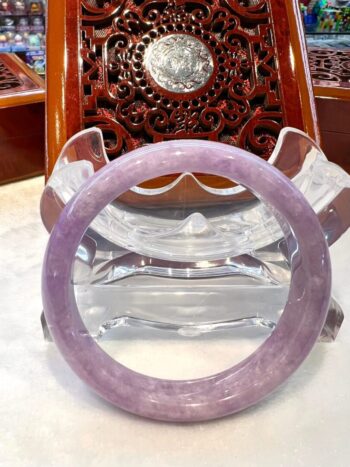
column 8, row 80
column 97, row 50
column 330, row 70
column 223, row 52
column 330, row 65
column 19, row 84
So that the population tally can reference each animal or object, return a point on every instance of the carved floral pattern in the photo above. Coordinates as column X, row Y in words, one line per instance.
column 330, row 65
column 240, row 102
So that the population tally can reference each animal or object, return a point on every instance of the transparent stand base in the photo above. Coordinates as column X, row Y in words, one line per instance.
column 117, row 289
column 149, row 260
column 189, row 308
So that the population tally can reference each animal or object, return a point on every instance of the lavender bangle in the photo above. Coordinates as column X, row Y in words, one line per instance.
column 233, row 389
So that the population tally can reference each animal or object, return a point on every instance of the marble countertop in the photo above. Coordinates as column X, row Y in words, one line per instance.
column 49, row 418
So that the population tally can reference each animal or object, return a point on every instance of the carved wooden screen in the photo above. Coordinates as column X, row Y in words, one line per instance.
column 330, row 69
column 16, row 77
column 225, row 70
column 8, row 80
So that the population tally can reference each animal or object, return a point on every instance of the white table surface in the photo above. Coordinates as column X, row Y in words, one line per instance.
column 49, row 418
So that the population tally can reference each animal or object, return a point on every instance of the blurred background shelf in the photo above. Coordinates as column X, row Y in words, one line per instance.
column 23, row 31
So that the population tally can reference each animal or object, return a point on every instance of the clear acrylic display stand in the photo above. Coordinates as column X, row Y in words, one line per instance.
column 188, row 258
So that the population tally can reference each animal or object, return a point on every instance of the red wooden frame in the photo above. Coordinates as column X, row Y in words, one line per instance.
column 68, row 53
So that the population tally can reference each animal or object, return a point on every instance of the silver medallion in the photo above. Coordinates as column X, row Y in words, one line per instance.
column 179, row 63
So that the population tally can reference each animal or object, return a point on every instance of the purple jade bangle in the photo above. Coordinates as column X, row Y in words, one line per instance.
column 231, row 390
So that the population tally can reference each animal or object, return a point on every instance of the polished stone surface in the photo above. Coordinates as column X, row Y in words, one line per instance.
column 247, row 382
column 49, row 417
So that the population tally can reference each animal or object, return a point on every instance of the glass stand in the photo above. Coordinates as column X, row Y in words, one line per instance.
column 186, row 257
column 123, row 289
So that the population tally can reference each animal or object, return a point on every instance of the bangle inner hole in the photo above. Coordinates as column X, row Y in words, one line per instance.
column 179, row 282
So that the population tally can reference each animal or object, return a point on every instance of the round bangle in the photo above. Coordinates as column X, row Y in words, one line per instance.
column 245, row 383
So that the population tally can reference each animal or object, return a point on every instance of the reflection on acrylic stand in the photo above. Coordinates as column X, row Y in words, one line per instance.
column 207, row 247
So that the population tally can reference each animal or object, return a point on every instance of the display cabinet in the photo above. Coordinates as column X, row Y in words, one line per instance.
column 326, row 17
column 327, row 26
column 22, row 120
